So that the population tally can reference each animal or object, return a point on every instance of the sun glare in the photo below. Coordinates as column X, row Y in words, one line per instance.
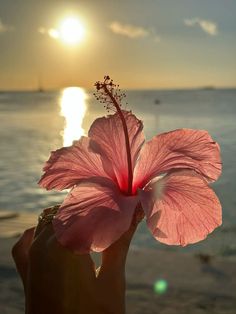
column 71, row 30
column 73, row 109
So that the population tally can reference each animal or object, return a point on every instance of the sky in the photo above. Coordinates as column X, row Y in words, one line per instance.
column 141, row 44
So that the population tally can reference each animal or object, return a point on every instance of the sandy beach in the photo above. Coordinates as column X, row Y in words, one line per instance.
column 195, row 285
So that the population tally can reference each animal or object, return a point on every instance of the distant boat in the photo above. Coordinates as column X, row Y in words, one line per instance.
column 40, row 88
column 208, row 88
column 157, row 101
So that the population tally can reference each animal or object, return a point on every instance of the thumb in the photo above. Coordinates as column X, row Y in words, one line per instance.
column 111, row 275
column 114, row 257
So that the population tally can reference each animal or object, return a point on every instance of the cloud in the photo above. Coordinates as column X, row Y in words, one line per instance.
column 128, row 30
column 206, row 25
column 5, row 28
column 133, row 31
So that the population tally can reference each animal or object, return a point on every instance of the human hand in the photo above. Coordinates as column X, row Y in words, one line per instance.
column 58, row 281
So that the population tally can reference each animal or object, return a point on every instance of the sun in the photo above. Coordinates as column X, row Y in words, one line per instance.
column 71, row 31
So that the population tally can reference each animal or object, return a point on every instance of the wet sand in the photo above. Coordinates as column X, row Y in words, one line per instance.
column 196, row 285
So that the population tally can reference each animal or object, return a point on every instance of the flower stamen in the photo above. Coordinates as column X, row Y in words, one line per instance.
column 109, row 94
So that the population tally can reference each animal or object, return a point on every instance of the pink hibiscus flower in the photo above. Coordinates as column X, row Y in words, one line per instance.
column 112, row 171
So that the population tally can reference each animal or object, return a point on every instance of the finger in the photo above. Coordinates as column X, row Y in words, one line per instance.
column 114, row 257
column 42, row 222
column 20, row 253
column 83, row 262
column 67, row 276
column 44, row 235
column 46, row 245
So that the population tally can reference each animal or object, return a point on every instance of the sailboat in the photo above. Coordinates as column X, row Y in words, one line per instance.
column 40, row 87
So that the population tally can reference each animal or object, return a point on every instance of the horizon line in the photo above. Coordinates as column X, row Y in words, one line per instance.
column 204, row 87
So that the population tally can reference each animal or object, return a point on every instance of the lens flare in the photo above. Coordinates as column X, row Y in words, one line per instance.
column 160, row 286
column 53, row 33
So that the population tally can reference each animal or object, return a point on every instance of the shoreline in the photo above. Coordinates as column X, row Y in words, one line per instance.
column 13, row 224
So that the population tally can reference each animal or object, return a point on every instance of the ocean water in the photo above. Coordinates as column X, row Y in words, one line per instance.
column 32, row 124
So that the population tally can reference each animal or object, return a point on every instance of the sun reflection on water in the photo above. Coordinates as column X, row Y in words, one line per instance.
column 73, row 108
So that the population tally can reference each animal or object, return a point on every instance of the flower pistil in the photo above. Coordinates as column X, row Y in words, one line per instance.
column 109, row 94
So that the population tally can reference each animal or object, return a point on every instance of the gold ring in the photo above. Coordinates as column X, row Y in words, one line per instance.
column 48, row 215
column 45, row 218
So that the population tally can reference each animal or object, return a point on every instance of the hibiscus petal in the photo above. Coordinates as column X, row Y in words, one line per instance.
column 68, row 165
column 93, row 216
column 181, row 208
column 183, row 148
column 108, row 133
